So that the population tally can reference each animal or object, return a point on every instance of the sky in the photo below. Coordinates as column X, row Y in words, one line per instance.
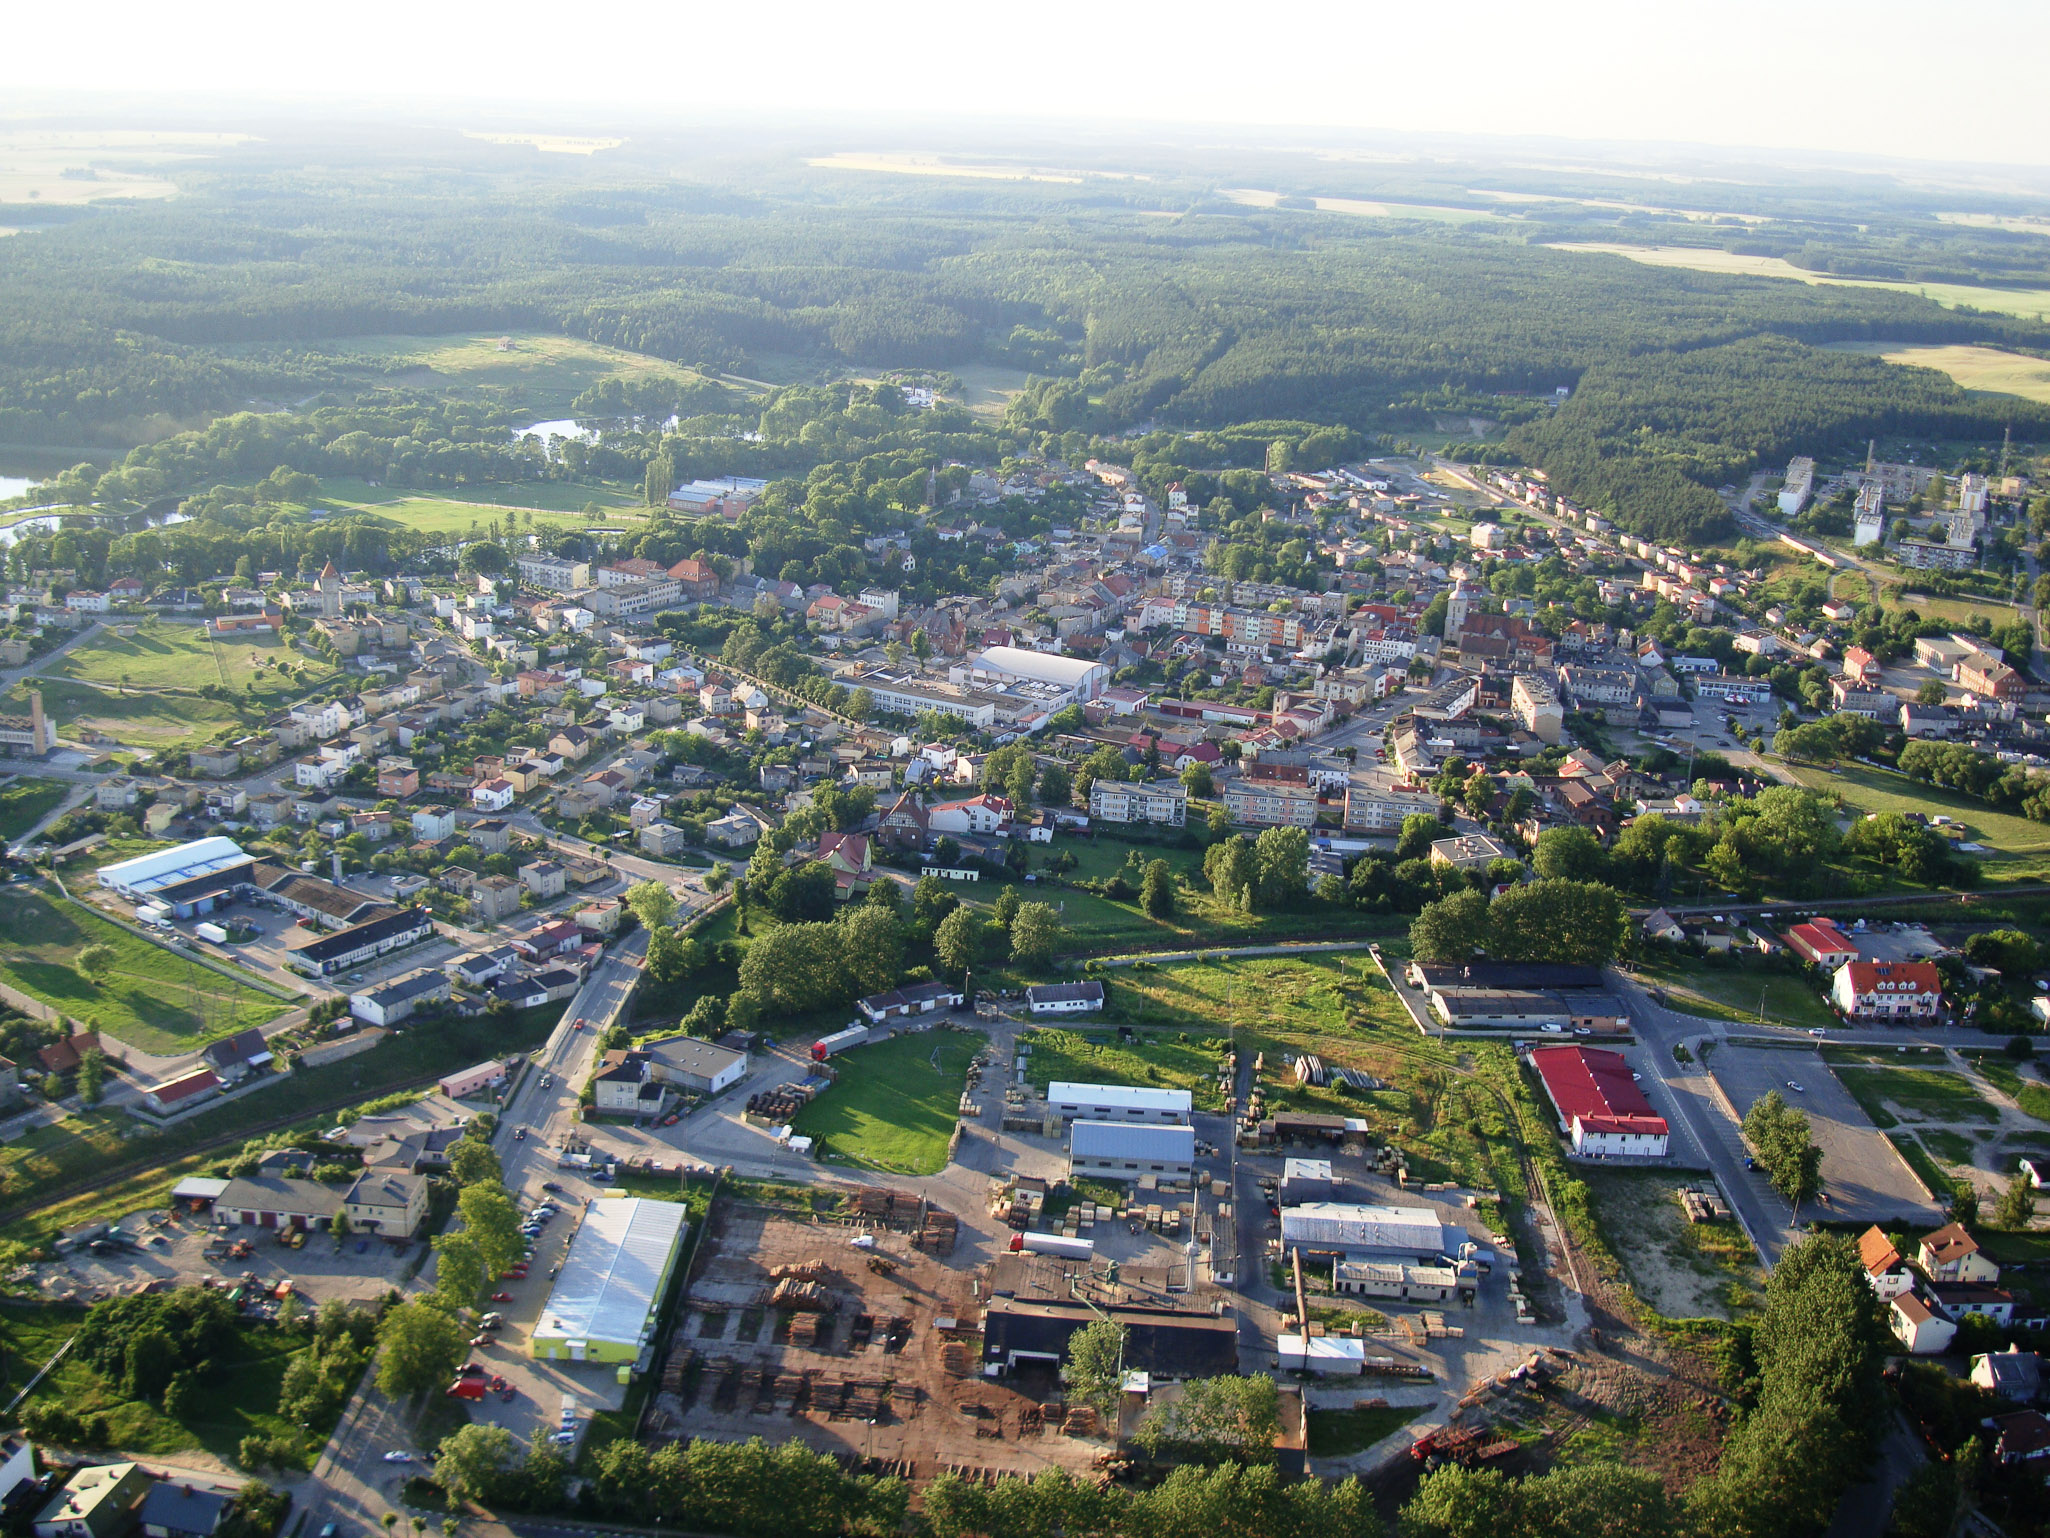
column 1818, row 75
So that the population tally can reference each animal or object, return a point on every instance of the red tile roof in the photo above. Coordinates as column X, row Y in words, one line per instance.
column 1916, row 977
column 1821, row 941
column 1594, row 1087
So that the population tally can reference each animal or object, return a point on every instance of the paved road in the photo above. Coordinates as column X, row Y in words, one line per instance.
column 352, row 1485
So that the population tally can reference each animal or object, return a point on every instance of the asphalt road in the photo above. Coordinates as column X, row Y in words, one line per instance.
column 352, row 1485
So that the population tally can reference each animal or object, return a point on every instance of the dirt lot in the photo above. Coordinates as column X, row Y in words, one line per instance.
column 909, row 1397
column 357, row 1269
column 1867, row 1179
column 1683, row 1269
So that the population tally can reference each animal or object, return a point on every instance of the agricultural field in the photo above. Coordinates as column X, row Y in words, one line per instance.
column 1867, row 789
column 1733, row 993
column 2028, row 303
column 987, row 388
column 215, row 1419
column 891, row 1109
column 1152, row 1060
column 1972, row 368
column 24, row 802
column 1683, row 1269
column 153, row 998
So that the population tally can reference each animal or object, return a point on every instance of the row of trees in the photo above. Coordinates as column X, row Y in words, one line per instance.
column 1549, row 919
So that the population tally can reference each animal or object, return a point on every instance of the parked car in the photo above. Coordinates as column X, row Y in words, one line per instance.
column 501, row 1297
column 398, row 1456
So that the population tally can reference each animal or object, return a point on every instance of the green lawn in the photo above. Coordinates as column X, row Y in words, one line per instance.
column 1928, row 1094
column 1948, row 1146
column 427, row 513
column 1926, row 1169
column 24, row 802
column 1733, row 993
column 1313, row 993
column 1340, row 1433
column 1155, row 1060
column 488, row 497
column 153, row 999
column 147, row 719
column 890, row 1109
column 181, row 656
column 237, row 1399
column 1879, row 790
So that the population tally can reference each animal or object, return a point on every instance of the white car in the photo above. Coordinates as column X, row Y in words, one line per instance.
column 398, row 1456
column 1795, row 1087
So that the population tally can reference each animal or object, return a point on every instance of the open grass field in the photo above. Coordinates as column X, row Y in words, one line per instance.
column 24, row 802
column 1153, row 1060
column 1891, row 1096
column 1364, row 208
column 167, row 655
column 2029, row 303
column 1341, row 1433
column 1684, row 1270
column 1947, row 606
column 1733, row 993
column 539, row 370
column 987, row 388
column 1879, row 790
column 237, row 1399
column 2031, row 1094
column 891, row 1109
column 153, row 999
column 150, row 720
column 1973, row 368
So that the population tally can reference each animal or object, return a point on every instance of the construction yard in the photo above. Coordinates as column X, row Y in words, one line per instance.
column 859, row 1339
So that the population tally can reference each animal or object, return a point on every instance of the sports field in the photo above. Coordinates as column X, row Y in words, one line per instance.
column 153, row 998
column 2029, row 303
column 473, row 509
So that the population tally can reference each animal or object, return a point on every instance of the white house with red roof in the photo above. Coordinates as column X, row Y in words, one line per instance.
column 1919, row 1327
column 1821, row 943
column 1861, row 665
column 1600, row 1107
column 1884, row 1268
column 1888, row 990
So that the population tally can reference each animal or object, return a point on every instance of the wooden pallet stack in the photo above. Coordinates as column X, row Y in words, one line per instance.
column 939, row 1233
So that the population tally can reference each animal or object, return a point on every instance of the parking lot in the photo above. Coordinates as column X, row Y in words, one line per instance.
column 1866, row 1179
column 174, row 1252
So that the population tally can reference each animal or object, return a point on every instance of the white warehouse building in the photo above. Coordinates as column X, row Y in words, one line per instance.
column 1368, row 1233
column 1122, row 1104
column 1080, row 678
column 1115, row 1151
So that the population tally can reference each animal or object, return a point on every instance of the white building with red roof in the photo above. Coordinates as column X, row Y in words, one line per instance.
column 1888, row 990
column 1821, row 943
column 1600, row 1107
column 978, row 814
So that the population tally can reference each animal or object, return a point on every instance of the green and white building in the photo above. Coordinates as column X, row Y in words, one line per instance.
column 612, row 1282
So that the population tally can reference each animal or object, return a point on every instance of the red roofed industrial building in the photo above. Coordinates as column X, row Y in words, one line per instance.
column 1600, row 1106
column 1822, row 944
column 1888, row 990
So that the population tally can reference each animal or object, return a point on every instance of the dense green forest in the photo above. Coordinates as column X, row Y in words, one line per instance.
column 1197, row 315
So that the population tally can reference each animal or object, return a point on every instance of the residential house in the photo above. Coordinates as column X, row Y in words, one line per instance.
column 545, row 879
column 1269, row 804
column 387, row 1202
column 492, row 795
column 983, row 814
column 99, row 1501
column 1918, row 1327
column 1888, row 990
column 1884, row 1268
column 1952, row 1255
column 2014, row 1374
column 1821, row 943
column 493, row 898
column 850, row 859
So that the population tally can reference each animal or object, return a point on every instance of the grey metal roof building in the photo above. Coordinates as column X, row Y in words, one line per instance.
column 1122, row 1152
column 1367, row 1233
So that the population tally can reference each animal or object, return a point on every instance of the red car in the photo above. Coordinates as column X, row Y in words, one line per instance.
column 501, row 1297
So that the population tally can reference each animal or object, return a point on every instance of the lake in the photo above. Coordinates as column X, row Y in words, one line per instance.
column 12, row 486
